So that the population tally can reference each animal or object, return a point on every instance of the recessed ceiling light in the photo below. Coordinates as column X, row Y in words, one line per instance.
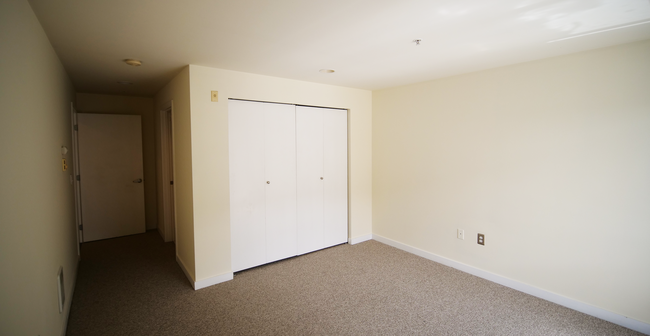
column 132, row 62
column 326, row 70
column 125, row 82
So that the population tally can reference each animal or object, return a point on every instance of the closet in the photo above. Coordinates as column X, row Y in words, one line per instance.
column 288, row 180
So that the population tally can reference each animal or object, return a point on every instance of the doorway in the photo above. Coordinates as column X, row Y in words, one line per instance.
column 167, row 157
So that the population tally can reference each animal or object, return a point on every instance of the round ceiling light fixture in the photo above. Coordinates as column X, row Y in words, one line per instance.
column 125, row 82
column 132, row 62
column 326, row 70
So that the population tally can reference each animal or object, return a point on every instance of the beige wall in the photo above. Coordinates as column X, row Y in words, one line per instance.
column 549, row 159
column 142, row 106
column 37, row 218
column 210, row 152
column 178, row 91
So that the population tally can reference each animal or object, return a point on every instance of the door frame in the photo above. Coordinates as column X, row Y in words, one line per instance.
column 167, row 154
column 75, row 178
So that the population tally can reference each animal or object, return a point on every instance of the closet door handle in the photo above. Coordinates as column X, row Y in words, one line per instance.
column 321, row 178
column 268, row 182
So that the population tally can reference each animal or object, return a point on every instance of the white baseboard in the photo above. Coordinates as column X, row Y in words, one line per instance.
column 360, row 239
column 522, row 287
column 205, row 282
column 213, row 280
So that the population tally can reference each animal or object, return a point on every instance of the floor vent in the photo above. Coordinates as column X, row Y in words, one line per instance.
column 60, row 283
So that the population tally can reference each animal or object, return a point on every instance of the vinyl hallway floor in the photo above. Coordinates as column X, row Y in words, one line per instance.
column 133, row 286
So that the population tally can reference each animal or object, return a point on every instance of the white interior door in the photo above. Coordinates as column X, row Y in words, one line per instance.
column 280, row 175
column 335, row 182
column 247, row 184
column 170, row 167
column 167, row 224
column 112, row 186
column 309, row 153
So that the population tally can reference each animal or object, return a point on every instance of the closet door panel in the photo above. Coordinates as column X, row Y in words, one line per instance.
column 335, row 186
column 280, row 172
column 247, row 188
column 309, row 143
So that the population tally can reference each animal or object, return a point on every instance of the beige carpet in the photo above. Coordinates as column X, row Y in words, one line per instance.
column 133, row 286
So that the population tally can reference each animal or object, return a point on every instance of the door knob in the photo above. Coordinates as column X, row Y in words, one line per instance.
column 268, row 182
column 137, row 181
column 321, row 178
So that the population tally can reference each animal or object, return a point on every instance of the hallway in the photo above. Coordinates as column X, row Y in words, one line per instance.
column 118, row 290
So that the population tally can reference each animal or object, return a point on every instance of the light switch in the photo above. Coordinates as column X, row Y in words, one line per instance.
column 215, row 96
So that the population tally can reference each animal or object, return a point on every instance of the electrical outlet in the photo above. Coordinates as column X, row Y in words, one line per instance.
column 480, row 239
column 460, row 234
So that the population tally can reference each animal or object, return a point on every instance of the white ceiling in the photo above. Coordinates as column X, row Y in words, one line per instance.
column 368, row 42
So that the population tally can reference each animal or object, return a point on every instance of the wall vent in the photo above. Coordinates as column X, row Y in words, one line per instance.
column 61, row 285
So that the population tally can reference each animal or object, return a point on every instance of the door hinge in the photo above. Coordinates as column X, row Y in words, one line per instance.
column 76, row 127
column 171, row 182
column 78, row 177
column 81, row 227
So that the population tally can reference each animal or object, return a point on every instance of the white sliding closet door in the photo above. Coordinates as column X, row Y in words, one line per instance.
column 321, row 140
column 309, row 143
column 288, row 181
column 262, row 154
column 247, row 185
column 280, row 173
column 335, row 186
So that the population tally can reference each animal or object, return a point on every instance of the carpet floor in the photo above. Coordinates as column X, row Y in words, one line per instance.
column 133, row 286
